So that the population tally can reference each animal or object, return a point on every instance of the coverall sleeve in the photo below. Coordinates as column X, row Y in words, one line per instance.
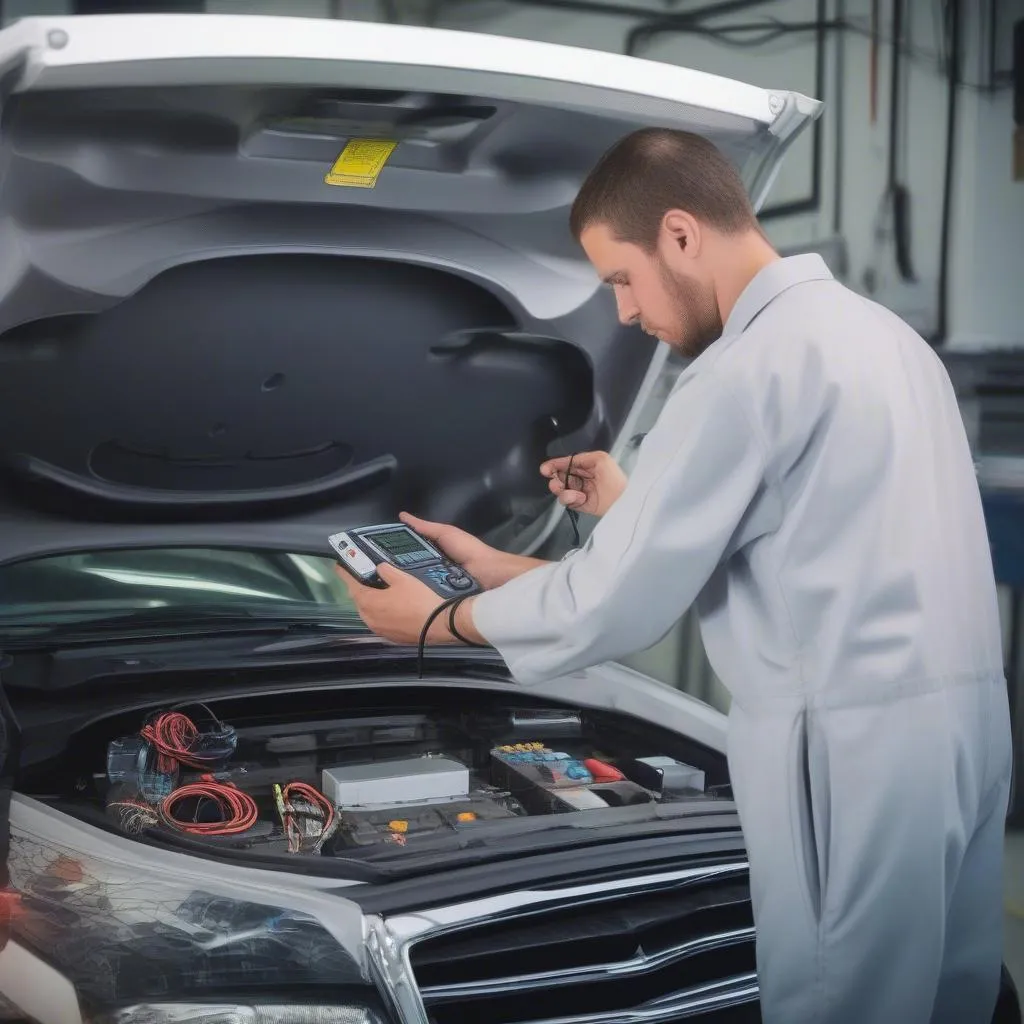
column 699, row 471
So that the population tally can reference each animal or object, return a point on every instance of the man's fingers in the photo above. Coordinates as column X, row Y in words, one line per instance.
column 389, row 574
column 569, row 496
column 553, row 467
column 432, row 531
column 586, row 465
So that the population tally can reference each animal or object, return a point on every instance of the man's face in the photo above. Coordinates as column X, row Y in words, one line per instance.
column 668, row 301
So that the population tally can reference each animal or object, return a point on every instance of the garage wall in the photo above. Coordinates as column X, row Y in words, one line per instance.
column 988, row 206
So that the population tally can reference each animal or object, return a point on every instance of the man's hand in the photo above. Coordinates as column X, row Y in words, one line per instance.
column 593, row 486
column 398, row 613
column 488, row 566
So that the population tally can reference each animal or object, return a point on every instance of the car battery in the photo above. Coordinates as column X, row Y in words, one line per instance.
column 403, row 825
column 411, row 781
column 545, row 781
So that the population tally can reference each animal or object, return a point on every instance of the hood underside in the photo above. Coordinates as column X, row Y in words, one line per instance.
column 208, row 339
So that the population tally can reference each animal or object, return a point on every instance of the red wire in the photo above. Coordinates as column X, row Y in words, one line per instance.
column 314, row 797
column 238, row 810
column 172, row 734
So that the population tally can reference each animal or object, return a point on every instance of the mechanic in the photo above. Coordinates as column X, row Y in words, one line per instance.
column 809, row 487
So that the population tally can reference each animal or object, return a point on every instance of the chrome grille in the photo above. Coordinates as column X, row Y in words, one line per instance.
column 657, row 951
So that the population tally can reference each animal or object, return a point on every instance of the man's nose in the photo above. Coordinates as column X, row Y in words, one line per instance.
column 629, row 313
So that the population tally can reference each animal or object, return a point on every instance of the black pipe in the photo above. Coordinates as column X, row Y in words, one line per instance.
column 896, row 193
column 769, row 31
column 942, row 317
column 686, row 20
column 818, row 134
column 838, row 117
column 621, row 11
column 992, row 45
column 138, row 6
column 894, row 95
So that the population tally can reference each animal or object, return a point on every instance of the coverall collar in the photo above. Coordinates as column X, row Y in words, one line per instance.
column 771, row 282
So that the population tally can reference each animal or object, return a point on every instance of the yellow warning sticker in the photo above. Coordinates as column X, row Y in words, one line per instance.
column 360, row 163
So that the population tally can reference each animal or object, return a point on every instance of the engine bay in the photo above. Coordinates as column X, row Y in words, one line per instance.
column 379, row 777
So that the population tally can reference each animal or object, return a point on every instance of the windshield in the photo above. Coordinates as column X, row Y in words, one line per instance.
column 88, row 586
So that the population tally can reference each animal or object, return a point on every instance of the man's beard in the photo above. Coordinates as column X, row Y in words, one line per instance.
column 698, row 320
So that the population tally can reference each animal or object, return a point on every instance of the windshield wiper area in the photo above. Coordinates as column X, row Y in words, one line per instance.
column 177, row 621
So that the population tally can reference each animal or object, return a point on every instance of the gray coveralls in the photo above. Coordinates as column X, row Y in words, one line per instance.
column 809, row 485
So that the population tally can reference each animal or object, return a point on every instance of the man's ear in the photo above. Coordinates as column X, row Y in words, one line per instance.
column 682, row 233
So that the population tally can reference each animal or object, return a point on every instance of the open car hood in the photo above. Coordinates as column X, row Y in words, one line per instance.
column 207, row 339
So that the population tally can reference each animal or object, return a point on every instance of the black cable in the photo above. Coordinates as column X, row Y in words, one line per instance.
column 450, row 603
column 574, row 516
column 820, row 88
column 453, row 627
column 772, row 29
column 991, row 43
column 942, row 317
column 894, row 94
column 431, row 619
column 896, row 192
column 840, row 120
column 621, row 11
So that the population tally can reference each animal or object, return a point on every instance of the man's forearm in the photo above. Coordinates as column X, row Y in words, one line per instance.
column 513, row 566
column 509, row 568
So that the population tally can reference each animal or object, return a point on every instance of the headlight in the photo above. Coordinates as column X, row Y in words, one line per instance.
column 210, row 1013
column 147, row 936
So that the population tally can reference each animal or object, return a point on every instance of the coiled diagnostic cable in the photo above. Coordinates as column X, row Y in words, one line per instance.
column 453, row 604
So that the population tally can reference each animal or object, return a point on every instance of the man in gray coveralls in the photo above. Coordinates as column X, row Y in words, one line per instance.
column 809, row 488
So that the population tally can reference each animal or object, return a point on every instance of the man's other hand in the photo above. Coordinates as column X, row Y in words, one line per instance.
column 593, row 485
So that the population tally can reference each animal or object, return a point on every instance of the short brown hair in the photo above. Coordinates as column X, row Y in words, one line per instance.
column 652, row 171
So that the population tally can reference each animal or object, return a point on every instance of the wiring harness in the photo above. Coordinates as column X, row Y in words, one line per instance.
column 215, row 809
column 209, row 805
column 178, row 740
column 307, row 816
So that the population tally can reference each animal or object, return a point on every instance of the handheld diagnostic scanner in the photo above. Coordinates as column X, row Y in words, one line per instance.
column 362, row 549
